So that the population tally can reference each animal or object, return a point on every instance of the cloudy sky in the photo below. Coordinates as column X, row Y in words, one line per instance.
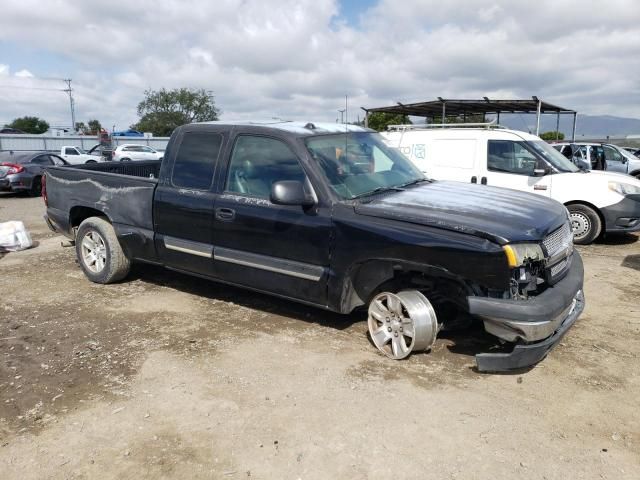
column 298, row 59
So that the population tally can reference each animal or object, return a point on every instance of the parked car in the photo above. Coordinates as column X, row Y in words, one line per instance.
column 616, row 159
column 103, row 151
column 11, row 130
column 130, row 151
column 128, row 133
column 330, row 216
column 76, row 156
column 597, row 201
column 22, row 171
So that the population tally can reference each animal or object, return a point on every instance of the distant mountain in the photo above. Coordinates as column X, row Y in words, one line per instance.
column 587, row 126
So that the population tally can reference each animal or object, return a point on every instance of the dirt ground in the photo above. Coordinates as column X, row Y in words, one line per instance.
column 169, row 376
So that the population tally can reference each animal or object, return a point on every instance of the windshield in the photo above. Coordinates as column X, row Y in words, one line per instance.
column 551, row 155
column 359, row 163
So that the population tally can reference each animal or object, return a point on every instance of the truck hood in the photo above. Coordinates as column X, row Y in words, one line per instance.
column 497, row 214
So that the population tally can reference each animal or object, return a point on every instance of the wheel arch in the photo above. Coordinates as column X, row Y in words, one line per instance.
column 635, row 173
column 364, row 280
column 80, row 213
column 593, row 207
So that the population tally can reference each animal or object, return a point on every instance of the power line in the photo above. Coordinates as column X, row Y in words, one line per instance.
column 33, row 88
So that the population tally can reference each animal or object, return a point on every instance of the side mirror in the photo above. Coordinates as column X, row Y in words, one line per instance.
column 291, row 192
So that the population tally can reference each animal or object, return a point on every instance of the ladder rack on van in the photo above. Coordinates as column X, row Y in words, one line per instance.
column 428, row 126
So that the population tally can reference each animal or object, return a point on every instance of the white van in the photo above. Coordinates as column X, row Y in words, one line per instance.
column 597, row 201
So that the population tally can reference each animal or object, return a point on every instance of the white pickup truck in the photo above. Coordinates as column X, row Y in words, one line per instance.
column 76, row 156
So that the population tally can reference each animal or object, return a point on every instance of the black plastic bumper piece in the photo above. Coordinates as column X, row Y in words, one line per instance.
column 545, row 307
column 527, row 355
column 623, row 216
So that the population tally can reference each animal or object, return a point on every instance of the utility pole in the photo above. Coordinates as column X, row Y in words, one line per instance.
column 69, row 90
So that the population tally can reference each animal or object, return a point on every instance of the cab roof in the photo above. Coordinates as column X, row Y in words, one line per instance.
column 300, row 128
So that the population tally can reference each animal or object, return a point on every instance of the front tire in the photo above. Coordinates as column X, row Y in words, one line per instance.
column 99, row 252
column 585, row 224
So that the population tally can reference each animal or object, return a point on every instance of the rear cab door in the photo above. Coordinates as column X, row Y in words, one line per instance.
column 185, row 198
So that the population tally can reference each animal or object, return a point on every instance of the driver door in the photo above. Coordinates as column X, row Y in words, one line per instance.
column 274, row 248
column 511, row 165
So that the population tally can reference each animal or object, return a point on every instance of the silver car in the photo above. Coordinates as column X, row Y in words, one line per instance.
column 22, row 171
column 600, row 156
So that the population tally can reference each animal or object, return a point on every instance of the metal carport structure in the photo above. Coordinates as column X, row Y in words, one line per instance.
column 443, row 108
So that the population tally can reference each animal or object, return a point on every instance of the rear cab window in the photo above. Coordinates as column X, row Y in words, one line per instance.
column 196, row 159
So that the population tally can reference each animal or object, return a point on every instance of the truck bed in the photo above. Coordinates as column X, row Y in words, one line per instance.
column 121, row 190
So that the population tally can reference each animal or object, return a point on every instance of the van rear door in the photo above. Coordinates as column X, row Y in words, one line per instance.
column 510, row 164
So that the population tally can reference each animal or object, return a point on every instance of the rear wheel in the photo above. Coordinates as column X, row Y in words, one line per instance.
column 585, row 224
column 36, row 187
column 400, row 323
column 99, row 252
column 90, row 161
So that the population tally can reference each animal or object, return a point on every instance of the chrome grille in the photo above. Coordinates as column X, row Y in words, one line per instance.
column 558, row 268
column 558, row 241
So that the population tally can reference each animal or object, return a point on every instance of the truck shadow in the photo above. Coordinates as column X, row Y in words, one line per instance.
column 617, row 239
column 463, row 342
column 631, row 261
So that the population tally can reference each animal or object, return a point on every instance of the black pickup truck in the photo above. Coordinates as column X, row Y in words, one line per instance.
column 328, row 215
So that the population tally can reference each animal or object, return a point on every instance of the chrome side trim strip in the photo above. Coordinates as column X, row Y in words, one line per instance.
column 188, row 246
column 272, row 264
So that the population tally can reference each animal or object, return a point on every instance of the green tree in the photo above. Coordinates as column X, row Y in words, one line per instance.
column 163, row 110
column 30, row 125
column 552, row 135
column 380, row 120
column 81, row 127
column 94, row 126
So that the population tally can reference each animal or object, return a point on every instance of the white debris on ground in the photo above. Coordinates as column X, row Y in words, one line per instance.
column 14, row 237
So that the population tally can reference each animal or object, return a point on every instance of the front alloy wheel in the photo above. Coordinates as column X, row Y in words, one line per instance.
column 400, row 323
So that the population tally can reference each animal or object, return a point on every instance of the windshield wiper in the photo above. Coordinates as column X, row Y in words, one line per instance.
column 413, row 182
column 377, row 190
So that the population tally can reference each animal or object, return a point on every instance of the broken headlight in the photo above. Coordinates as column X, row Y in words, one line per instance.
column 519, row 254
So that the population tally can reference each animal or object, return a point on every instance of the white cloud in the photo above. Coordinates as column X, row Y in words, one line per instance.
column 24, row 74
column 292, row 59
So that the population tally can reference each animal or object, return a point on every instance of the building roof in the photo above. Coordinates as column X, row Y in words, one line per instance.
column 470, row 107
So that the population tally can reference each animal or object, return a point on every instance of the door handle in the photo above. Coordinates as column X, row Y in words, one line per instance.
column 483, row 180
column 225, row 214
column 474, row 179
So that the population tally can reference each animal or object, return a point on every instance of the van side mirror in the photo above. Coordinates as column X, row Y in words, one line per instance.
column 291, row 192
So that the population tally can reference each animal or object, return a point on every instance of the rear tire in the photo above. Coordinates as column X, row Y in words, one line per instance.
column 90, row 161
column 36, row 187
column 585, row 224
column 99, row 252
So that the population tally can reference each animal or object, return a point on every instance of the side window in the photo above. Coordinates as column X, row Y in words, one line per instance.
column 510, row 157
column 42, row 160
column 196, row 160
column 257, row 162
column 611, row 154
column 70, row 151
column 57, row 160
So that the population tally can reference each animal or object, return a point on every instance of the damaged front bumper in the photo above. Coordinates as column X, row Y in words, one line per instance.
column 535, row 325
